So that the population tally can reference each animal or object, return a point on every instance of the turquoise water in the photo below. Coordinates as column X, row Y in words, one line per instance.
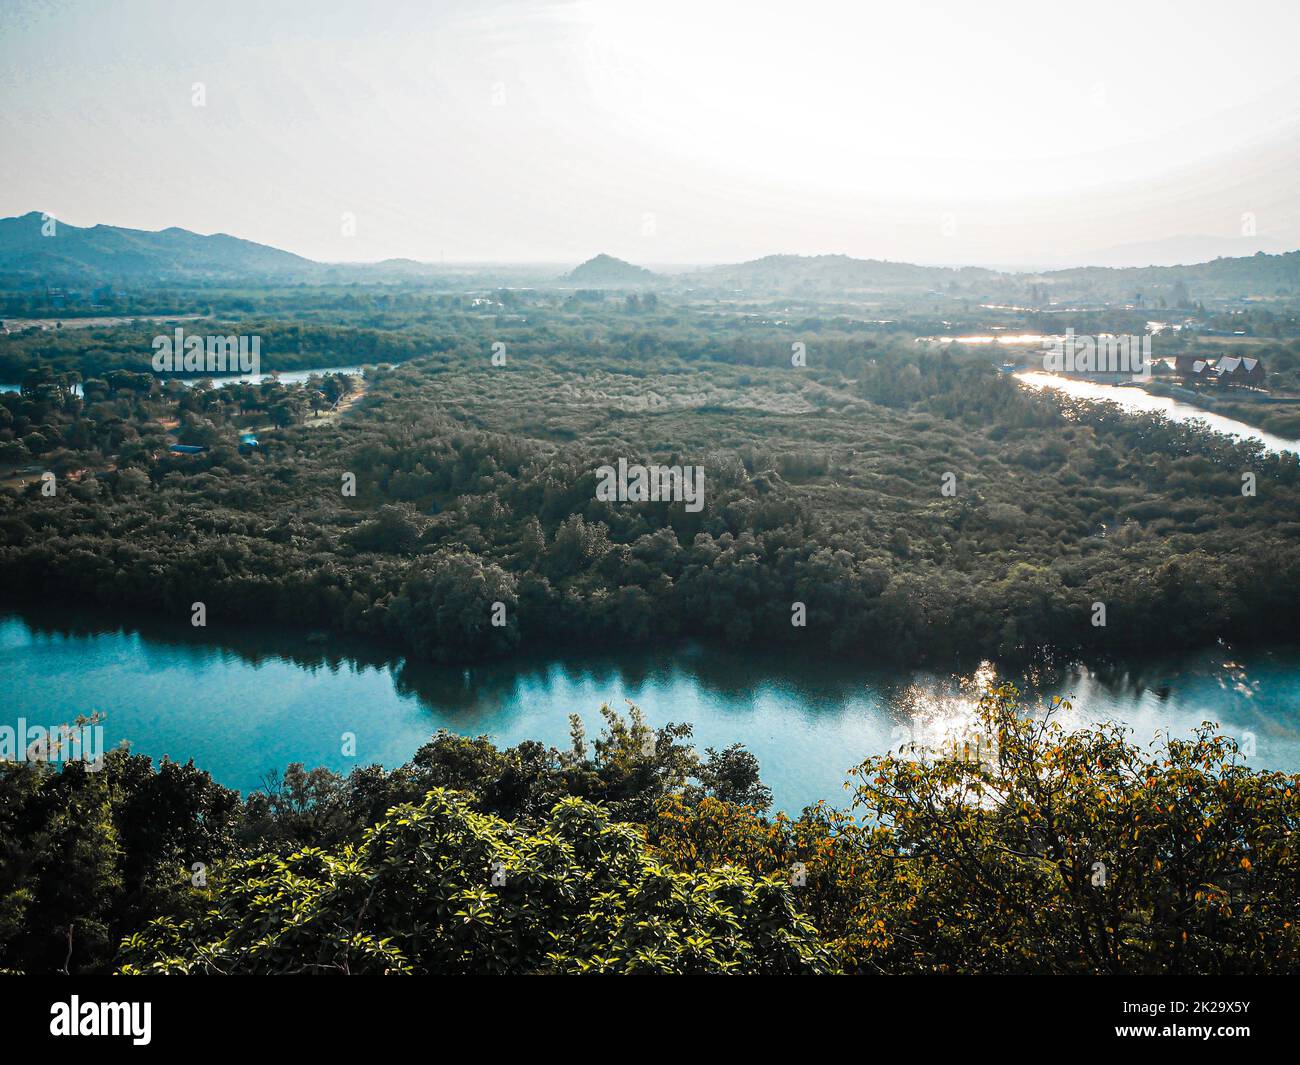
column 258, row 700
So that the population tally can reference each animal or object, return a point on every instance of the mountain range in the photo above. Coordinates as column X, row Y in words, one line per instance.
column 36, row 250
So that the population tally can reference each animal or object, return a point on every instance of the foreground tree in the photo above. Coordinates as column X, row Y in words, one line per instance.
column 438, row 888
column 1026, row 847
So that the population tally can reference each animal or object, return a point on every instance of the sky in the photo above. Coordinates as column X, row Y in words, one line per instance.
column 664, row 132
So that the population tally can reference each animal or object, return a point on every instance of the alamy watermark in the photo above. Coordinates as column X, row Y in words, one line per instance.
column 1107, row 353
column 77, row 1018
column 651, row 484
column 207, row 354
column 83, row 741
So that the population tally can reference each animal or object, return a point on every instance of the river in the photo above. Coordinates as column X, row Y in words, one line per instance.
column 263, row 699
column 1140, row 401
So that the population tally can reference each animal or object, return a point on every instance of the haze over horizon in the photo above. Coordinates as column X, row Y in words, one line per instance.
column 547, row 132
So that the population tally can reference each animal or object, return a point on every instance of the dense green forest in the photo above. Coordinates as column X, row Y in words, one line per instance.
column 94, row 352
column 920, row 505
column 1032, row 850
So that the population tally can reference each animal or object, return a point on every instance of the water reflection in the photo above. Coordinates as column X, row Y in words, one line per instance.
column 246, row 700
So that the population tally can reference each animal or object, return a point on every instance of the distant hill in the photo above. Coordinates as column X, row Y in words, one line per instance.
column 816, row 274
column 1174, row 251
column 99, row 254
column 1255, row 275
column 605, row 270
column 832, row 275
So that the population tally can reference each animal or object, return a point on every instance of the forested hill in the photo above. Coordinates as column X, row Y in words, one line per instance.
column 607, row 270
column 59, row 252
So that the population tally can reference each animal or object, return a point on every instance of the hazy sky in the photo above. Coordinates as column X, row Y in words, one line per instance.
column 667, row 131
